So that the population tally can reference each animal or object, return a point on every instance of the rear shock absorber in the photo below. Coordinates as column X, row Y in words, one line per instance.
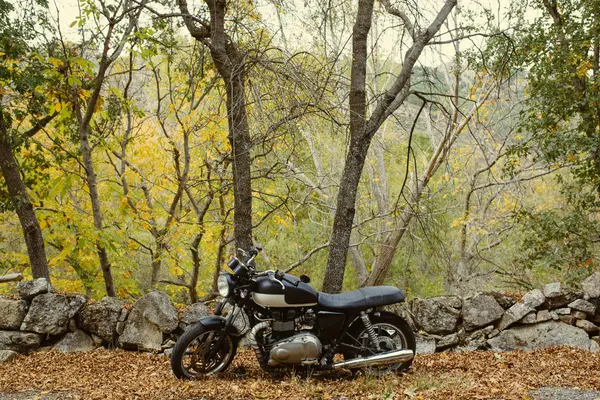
column 370, row 330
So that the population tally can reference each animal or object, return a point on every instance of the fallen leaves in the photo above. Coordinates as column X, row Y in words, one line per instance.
column 476, row 375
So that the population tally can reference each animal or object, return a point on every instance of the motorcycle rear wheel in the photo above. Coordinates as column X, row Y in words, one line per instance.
column 393, row 332
column 197, row 352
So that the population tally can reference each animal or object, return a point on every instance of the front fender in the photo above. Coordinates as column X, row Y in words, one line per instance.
column 218, row 322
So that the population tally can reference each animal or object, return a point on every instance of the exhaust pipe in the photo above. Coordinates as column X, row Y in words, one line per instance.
column 389, row 357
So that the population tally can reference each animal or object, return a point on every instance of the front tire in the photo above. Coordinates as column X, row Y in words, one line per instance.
column 197, row 352
column 393, row 332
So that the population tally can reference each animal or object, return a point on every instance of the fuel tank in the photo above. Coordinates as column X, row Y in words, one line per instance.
column 275, row 293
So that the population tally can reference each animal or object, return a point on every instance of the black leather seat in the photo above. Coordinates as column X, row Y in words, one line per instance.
column 362, row 298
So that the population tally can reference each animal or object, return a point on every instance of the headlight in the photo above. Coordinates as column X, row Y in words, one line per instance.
column 224, row 285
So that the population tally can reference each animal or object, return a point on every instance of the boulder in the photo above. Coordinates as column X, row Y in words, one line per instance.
column 526, row 305
column 433, row 316
column 563, row 311
column 447, row 341
column 552, row 290
column 583, row 305
column 74, row 342
column 21, row 342
column 480, row 310
column 101, row 318
column 568, row 319
column 578, row 314
column 503, row 300
column 50, row 313
column 30, row 289
column 194, row 313
column 7, row 355
column 529, row 318
column 450, row 301
column 591, row 285
column 477, row 340
column 157, row 308
column 12, row 313
column 530, row 337
column 425, row 345
column 587, row 326
column 543, row 316
column 140, row 333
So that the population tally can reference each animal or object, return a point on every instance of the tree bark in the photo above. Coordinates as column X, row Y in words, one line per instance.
column 20, row 200
column 230, row 65
column 362, row 130
column 357, row 153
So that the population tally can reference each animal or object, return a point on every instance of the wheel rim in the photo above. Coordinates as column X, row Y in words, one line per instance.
column 202, row 357
column 389, row 338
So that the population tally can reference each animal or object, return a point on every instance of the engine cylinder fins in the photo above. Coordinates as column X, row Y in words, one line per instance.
column 389, row 357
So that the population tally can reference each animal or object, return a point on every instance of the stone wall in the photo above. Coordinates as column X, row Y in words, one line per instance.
column 43, row 319
column 551, row 316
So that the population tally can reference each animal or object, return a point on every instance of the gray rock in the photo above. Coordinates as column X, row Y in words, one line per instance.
column 480, row 310
column 425, row 345
column 583, row 305
column 194, row 313
column 505, row 301
column 552, row 290
column 12, row 313
column 543, row 316
column 526, row 305
column 578, row 314
column 50, row 313
column 554, row 316
column 7, row 355
column 157, row 308
column 587, row 326
column 530, row 318
column 450, row 301
column 434, row 317
column 493, row 333
column 563, row 311
column 168, row 352
column 447, row 341
column 74, row 342
column 594, row 347
column 30, row 289
column 101, row 318
column 567, row 319
column 529, row 337
column 533, row 298
column 97, row 340
column 21, row 342
column 591, row 285
column 477, row 340
column 140, row 333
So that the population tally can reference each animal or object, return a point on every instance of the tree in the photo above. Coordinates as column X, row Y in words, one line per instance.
column 362, row 129
column 22, row 103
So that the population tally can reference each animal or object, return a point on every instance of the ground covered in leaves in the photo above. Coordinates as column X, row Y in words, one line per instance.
column 127, row 375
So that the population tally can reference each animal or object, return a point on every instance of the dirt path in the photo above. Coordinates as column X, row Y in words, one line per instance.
column 476, row 375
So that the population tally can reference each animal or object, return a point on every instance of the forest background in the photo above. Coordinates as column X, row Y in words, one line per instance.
column 439, row 147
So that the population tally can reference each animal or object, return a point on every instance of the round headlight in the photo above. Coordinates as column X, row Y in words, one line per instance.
column 223, row 285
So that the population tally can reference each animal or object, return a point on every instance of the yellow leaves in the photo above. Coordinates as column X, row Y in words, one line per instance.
column 583, row 68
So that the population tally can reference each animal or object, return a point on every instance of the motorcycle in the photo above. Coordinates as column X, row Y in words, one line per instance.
column 292, row 326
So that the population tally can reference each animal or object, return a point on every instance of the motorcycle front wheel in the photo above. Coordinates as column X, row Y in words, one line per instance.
column 198, row 352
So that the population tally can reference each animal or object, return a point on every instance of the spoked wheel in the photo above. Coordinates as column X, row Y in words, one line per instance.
column 393, row 333
column 199, row 352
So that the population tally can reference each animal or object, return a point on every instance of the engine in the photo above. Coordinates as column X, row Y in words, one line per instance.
column 284, row 339
column 301, row 349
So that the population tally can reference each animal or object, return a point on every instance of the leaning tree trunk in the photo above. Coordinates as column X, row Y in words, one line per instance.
column 20, row 200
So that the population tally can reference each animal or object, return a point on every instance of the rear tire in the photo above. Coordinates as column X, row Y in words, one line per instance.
column 402, row 338
column 195, row 353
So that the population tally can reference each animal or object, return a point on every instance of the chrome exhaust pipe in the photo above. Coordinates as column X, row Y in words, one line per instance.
column 389, row 357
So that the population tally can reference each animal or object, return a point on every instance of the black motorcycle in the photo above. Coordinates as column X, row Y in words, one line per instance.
column 291, row 325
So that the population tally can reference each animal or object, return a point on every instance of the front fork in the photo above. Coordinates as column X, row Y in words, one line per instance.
column 228, row 322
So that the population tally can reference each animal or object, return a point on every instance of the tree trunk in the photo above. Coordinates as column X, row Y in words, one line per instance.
column 91, row 179
column 20, row 200
column 357, row 153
